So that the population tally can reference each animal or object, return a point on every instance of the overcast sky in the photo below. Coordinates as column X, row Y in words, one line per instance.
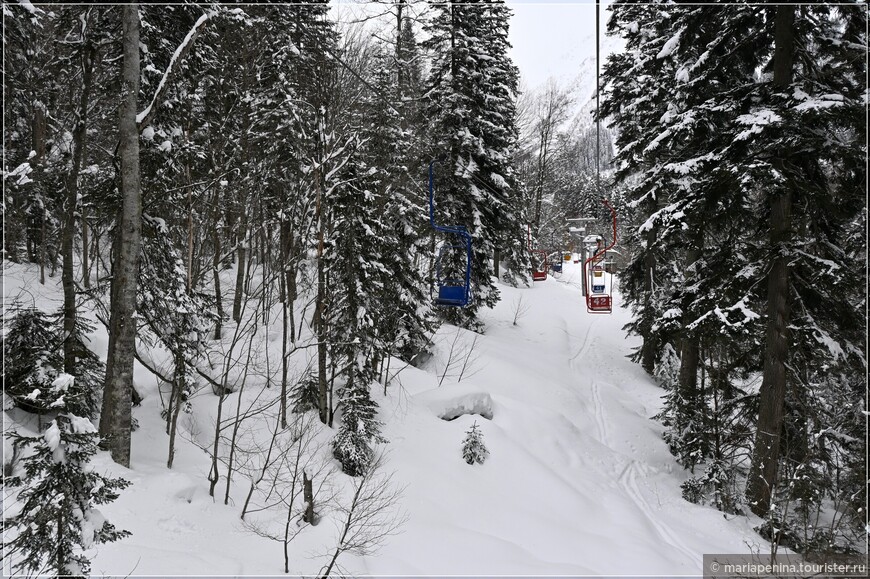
column 549, row 38
column 553, row 38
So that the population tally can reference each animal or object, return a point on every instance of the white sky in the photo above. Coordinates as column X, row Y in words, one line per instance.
column 554, row 38
column 549, row 38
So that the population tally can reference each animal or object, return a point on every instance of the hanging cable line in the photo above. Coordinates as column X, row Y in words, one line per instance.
column 600, row 299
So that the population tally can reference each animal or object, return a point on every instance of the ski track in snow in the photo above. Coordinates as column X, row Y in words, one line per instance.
column 584, row 347
column 600, row 419
column 628, row 482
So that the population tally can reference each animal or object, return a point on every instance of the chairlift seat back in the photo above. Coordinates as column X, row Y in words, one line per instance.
column 452, row 295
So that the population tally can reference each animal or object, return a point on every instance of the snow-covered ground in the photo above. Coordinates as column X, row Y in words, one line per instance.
column 578, row 480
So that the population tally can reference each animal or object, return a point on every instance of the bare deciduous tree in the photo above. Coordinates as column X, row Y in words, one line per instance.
column 369, row 518
column 295, row 479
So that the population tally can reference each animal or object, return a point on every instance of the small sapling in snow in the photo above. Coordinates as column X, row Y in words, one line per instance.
column 473, row 448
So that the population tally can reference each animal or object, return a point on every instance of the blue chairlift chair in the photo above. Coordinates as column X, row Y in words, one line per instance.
column 452, row 290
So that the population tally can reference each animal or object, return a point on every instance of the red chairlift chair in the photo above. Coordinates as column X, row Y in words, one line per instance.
column 540, row 261
column 599, row 300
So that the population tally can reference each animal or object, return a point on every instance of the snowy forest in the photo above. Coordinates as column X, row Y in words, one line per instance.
column 228, row 231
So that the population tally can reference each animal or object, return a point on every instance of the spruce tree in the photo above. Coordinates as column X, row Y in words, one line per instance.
column 470, row 101
column 398, row 228
column 33, row 374
column 712, row 142
column 54, row 521
column 473, row 448
column 359, row 430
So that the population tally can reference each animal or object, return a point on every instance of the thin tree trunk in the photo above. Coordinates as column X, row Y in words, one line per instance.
column 86, row 264
column 387, row 374
column 319, row 312
column 42, row 249
column 765, row 458
column 251, row 259
column 339, row 549
column 330, row 405
column 178, row 385
column 95, row 253
column 648, row 349
column 216, row 268
column 542, row 171
column 282, row 286
column 689, row 351
column 214, row 474
column 71, row 201
column 240, row 273
column 263, row 469
column 308, row 496
column 284, row 361
column 189, row 228
column 115, row 419
column 291, row 297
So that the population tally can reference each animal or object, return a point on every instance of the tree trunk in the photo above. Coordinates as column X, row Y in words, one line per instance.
column 284, row 360
column 689, row 348
column 95, row 253
column 43, row 256
column 292, row 290
column 218, row 297
column 241, row 262
column 214, row 475
column 86, row 264
column 320, row 311
column 308, row 496
column 765, row 458
column 178, row 386
column 190, row 242
column 115, row 420
column 648, row 349
column 541, row 174
column 71, row 201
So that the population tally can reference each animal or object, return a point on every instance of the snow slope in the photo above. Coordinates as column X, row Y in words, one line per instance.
column 578, row 481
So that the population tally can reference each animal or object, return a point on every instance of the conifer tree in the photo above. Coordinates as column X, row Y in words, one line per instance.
column 359, row 430
column 390, row 155
column 34, row 371
column 470, row 104
column 54, row 520
column 716, row 142
column 473, row 448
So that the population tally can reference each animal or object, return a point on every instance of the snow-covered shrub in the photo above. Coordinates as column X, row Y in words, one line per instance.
column 32, row 361
column 305, row 394
column 53, row 521
column 717, row 486
column 33, row 374
column 473, row 448
column 693, row 490
column 359, row 429
column 667, row 370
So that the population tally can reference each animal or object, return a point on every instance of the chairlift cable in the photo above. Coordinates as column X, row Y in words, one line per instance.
column 597, row 98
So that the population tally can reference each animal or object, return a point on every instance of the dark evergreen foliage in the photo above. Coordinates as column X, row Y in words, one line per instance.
column 473, row 448
column 706, row 142
column 470, row 103
column 33, row 370
column 54, row 519
column 359, row 431
column 304, row 394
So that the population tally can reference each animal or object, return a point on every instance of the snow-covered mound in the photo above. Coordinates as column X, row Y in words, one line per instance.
column 451, row 402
